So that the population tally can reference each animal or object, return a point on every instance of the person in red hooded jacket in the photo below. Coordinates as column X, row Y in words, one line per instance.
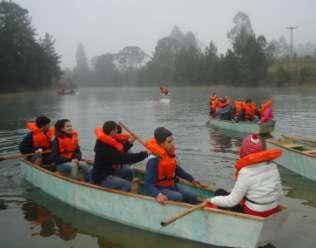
column 38, row 140
column 258, row 185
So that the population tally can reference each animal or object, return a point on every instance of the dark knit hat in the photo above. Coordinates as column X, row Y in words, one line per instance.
column 161, row 134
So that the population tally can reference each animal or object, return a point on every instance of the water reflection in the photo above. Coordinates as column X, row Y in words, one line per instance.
column 50, row 217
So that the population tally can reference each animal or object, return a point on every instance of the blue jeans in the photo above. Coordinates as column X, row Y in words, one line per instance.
column 72, row 169
column 179, row 193
column 120, row 179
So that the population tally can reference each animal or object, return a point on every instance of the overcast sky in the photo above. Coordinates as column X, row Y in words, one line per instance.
column 109, row 25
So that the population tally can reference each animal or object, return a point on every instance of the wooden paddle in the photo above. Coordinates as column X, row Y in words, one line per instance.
column 18, row 156
column 133, row 134
column 182, row 214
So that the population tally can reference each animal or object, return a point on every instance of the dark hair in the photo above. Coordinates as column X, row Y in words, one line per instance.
column 59, row 125
column 119, row 129
column 161, row 134
column 248, row 100
column 109, row 126
column 41, row 121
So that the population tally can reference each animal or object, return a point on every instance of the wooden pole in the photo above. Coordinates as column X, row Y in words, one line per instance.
column 182, row 214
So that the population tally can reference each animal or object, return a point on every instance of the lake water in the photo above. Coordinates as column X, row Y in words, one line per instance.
column 207, row 153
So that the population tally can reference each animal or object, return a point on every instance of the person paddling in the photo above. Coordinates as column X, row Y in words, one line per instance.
column 258, row 184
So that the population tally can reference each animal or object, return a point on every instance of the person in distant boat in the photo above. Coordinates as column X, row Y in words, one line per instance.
column 258, row 188
column 249, row 110
column 164, row 91
column 163, row 170
column 224, row 109
column 37, row 141
column 66, row 153
column 265, row 112
column 110, row 155
column 213, row 101
column 238, row 109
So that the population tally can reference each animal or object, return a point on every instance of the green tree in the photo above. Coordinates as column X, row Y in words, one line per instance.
column 82, row 70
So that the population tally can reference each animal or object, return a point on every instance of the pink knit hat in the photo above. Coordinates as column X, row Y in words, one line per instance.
column 251, row 144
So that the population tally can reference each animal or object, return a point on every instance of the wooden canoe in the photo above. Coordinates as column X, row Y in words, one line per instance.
column 210, row 226
column 243, row 126
column 299, row 155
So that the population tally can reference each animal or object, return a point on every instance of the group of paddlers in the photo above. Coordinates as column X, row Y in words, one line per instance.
column 257, row 189
column 240, row 110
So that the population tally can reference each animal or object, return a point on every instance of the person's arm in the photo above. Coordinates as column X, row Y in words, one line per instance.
column 183, row 174
column 151, row 176
column 26, row 146
column 78, row 154
column 237, row 194
column 55, row 156
column 127, row 158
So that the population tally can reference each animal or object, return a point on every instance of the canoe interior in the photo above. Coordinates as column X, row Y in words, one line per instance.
column 307, row 147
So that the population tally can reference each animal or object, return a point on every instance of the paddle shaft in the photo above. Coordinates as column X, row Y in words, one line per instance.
column 131, row 133
column 182, row 214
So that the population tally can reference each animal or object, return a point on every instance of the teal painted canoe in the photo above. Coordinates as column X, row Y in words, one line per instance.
column 243, row 126
column 210, row 226
column 299, row 155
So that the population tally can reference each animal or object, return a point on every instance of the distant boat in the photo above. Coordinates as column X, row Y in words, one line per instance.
column 211, row 226
column 299, row 154
column 66, row 92
column 243, row 126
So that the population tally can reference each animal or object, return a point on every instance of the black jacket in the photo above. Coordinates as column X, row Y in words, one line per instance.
column 106, row 156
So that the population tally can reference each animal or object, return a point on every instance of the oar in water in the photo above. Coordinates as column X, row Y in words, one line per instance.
column 203, row 186
column 18, row 156
column 182, row 214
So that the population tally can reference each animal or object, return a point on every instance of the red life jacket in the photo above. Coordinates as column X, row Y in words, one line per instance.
column 106, row 139
column 40, row 139
column 238, row 107
column 222, row 104
column 250, row 110
column 68, row 145
column 167, row 165
column 257, row 157
column 122, row 137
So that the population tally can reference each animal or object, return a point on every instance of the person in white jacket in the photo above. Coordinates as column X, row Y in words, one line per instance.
column 258, row 185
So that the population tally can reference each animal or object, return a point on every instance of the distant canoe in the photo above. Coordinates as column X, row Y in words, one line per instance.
column 299, row 155
column 66, row 92
column 210, row 226
column 243, row 126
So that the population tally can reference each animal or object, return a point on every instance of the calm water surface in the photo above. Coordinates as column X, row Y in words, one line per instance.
column 207, row 153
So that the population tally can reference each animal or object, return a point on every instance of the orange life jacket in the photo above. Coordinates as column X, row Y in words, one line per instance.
column 106, row 139
column 250, row 110
column 40, row 139
column 258, row 157
column 264, row 106
column 122, row 137
column 220, row 104
column 213, row 102
column 68, row 145
column 238, row 107
column 167, row 165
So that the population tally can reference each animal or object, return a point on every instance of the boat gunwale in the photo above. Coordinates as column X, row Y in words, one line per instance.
column 148, row 198
column 264, row 124
column 277, row 143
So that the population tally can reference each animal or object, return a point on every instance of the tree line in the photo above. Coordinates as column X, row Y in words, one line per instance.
column 179, row 59
column 26, row 63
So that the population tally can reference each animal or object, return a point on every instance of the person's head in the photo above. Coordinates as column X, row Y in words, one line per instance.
column 251, row 144
column 214, row 94
column 43, row 122
column 164, row 138
column 110, row 128
column 63, row 127
column 248, row 100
